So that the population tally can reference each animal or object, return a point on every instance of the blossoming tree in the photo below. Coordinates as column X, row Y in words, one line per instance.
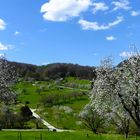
column 7, row 79
column 116, row 92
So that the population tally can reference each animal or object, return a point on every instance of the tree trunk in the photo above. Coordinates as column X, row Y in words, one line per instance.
column 126, row 135
column 94, row 130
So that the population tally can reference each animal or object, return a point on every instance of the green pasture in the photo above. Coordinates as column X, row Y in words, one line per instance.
column 45, row 135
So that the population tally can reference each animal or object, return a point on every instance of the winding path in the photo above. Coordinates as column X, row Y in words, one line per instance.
column 50, row 127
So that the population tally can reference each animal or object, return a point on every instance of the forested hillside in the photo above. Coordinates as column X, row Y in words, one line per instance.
column 53, row 71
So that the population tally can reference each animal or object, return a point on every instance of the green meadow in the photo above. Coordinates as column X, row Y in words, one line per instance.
column 63, row 114
column 44, row 135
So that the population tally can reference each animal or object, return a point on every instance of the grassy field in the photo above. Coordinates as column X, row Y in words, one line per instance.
column 44, row 135
column 29, row 91
column 63, row 115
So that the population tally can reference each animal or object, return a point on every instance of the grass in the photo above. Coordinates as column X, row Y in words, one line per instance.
column 28, row 91
column 77, row 81
column 54, row 115
column 79, row 135
column 63, row 119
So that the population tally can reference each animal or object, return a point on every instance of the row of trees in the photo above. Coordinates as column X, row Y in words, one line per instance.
column 59, row 70
column 57, row 99
column 115, row 97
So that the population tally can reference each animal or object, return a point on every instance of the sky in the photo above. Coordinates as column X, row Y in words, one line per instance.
column 71, row 31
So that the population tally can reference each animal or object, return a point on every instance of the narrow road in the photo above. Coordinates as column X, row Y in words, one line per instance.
column 73, row 88
column 50, row 127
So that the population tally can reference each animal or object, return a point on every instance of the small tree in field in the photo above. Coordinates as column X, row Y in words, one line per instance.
column 25, row 112
column 92, row 119
column 7, row 79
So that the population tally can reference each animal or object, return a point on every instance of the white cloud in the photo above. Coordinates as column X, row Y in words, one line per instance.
column 126, row 54
column 100, row 6
column 110, row 38
column 2, row 55
column 16, row 33
column 121, row 4
column 2, row 24
column 87, row 25
column 62, row 10
column 45, row 63
column 3, row 47
column 135, row 13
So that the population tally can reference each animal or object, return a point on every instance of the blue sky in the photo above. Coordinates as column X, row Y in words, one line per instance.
column 72, row 31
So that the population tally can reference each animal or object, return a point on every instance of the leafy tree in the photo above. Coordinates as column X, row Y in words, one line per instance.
column 92, row 119
column 25, row 112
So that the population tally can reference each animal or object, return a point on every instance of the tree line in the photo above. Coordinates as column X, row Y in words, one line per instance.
column 53, row 71
column 59, row 99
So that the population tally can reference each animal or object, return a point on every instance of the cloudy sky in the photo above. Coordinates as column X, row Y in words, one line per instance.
column 72, row 31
